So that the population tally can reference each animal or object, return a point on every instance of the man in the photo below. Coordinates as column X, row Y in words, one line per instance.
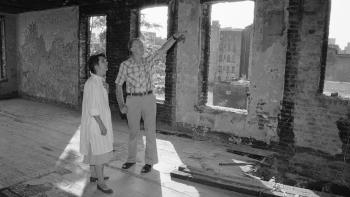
column 137, row 72
column 96, row 133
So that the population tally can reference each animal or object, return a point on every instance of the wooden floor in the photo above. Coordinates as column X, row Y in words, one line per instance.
column 39, row 156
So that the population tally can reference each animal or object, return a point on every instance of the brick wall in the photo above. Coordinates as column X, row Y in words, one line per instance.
column 118, row 24
column 205, row 54
column 118, row 34
column 166, row 110
column 123, row 24
column 48, row 58
column 287, row 73
column 285, row 122
column 267, row 72
column 83, row 52
column 289, row 40
column 315, row 114
column 307, row 125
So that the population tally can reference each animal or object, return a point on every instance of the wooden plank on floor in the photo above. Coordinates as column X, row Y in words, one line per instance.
column 247, row 150
column 191, row 170
column 251, row 187
column 214, row 182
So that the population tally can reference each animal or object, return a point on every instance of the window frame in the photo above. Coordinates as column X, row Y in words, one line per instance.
column 324, row 51
column 323, row 58
column 84, row 43
column 138, row 26
column 88, row 39
column 203, row 76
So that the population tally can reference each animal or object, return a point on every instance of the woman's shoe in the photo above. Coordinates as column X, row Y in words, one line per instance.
column 127, row 165
column 146, row 168
column 103, row 188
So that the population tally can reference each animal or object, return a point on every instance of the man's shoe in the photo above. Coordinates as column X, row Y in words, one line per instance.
column 146, row 168
column 94, row 179
column 103, row 188
column 127, row 165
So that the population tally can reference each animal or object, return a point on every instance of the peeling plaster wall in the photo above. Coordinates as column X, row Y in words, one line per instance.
column 188, row 60
column 48, row 54
column 315, row 114
column 267, row 74
column 267, row 69
column 8, row 88
column 188, row 63
column 313, row 149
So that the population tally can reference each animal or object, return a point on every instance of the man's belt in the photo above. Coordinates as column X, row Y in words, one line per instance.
column 139, row 93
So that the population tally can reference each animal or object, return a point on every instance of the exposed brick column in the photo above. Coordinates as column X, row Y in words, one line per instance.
column 123, row 24
column 83, row 52
column 166, row 111
column 286, row 119
column 324, row 50
column 205, row 51
column 118, row 35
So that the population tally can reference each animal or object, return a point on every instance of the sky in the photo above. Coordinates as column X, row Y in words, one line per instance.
column 226, row 13
column 339, row 25
column 244, row 11
column 158, row 15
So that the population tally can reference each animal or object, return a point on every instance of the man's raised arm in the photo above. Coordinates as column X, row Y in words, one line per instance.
column 167, row 45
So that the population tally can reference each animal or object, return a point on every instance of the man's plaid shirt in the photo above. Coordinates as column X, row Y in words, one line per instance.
column 138, row 78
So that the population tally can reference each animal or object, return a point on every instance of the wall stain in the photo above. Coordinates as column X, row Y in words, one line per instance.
column 48, row 73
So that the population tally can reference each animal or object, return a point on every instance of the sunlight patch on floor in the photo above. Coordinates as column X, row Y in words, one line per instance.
column 170, row 160
column 76, row 181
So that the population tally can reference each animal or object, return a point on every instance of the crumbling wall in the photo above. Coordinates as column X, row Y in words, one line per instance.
column 8, row 87
column 188, row 60
column 267, row 74
column 267, row 69
column 48, row 54
column 315, row 114
column 190, row 112
column 312, row 146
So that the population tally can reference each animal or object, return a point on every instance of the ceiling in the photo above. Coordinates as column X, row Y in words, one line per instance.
column 18, row 6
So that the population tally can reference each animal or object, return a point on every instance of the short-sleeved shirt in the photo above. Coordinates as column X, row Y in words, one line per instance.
column 138, row 77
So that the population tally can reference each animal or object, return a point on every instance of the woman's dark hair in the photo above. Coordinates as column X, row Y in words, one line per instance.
column 93, row 61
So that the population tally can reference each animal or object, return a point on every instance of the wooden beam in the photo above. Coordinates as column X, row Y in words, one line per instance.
column 253, row 152
column 228, row 185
